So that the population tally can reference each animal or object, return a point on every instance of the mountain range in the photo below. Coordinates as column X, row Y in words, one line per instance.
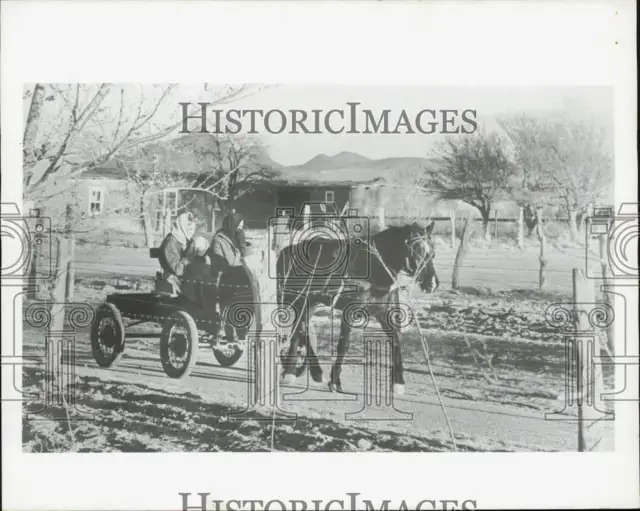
column 355, row 165
column 346, row 165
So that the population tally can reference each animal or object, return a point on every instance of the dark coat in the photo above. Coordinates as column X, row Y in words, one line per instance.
column 197, row 283
column 173, row 256
column 227, row 247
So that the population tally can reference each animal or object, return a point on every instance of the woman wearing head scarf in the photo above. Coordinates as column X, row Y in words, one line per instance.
column 174, row 248
column 228, row 245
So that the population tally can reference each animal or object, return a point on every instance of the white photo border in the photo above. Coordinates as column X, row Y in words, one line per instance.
column 435, row 43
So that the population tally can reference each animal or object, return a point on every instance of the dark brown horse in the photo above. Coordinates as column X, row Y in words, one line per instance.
column 340, row 273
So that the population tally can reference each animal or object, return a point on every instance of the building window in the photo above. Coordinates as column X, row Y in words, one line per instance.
column 329, row 197
column 96, row 201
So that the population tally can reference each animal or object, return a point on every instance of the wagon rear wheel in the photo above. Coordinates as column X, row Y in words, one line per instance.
column 228, row 352
column 107, row 335
column 179, row 345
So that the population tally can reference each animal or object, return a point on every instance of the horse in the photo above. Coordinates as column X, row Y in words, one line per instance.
column 311, row 273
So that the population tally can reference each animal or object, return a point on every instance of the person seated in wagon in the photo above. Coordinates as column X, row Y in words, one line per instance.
column 226, row 253
column 197, row 283
column 174, row 252
column 228, row 246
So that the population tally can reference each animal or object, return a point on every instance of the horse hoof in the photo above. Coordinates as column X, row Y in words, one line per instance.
column 335, row 387
column 289, row 379
column 317, row 377
column 398, row 389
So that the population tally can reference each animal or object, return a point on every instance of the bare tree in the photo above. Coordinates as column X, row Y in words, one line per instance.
column 83, row 126
column 474, row 169
column 561, row 161
column 230, row 166
column 147, row 173
column 408, row 196
column 73, row 128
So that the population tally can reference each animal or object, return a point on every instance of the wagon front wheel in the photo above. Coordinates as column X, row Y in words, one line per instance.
column 107, row 335
column 179, row 345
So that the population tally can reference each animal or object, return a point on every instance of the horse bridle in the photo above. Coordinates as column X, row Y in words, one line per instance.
column 423, row 261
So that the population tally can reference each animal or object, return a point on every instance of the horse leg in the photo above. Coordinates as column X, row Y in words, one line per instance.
column 312, row 353
column 290, row 362
column 343, row 347
column 396, row 365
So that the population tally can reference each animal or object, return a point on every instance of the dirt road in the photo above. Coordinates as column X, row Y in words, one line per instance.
column 137, row 407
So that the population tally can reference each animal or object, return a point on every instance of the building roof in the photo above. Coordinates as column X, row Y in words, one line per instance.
column 114, row 169
column 343, row 177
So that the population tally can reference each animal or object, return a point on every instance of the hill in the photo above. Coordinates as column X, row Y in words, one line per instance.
column 349, row 166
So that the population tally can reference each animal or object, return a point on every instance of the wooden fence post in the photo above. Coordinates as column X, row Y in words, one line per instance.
column 495, row 224
column 274, row 248
column 380, row 209
column 147, row 228
column 606, row 283
column 166, row 229
column 521, row 229
column 462, row 248
column 381, row 217
column 56, row 325
column 71, row 270
column 306, row 216
column 453, row 229
column 590, row 383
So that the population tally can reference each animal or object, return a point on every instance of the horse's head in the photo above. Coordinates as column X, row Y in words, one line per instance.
column 421, row 252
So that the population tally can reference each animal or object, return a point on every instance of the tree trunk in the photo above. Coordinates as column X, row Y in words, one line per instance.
column 69, row 218
column 31, row 132
column 530, row 219
column 542, row 278
column 573, row 225
column 581, row 219
column 521, row 229
column 146, row 223
column 485, row 224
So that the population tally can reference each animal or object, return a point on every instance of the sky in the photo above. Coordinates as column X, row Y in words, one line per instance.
column 293, row 149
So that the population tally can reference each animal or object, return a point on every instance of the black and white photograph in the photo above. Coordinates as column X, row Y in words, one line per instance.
column 230, row 266
column 402, row 266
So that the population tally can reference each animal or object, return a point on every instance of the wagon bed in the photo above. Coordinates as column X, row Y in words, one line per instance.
column 185, row 323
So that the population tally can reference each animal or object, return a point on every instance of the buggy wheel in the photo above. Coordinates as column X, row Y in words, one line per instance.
column 107, row 335
column 227, row 357
column 229, row 351
column 179, row 345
